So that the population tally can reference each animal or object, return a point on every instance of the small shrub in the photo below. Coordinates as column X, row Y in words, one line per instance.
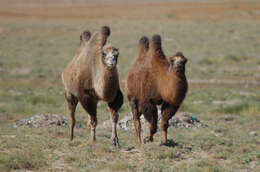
column 232, row 109
column 18, row 160
column 119, row 165
column 230, row 58
column 171, row 15
column 207, row 61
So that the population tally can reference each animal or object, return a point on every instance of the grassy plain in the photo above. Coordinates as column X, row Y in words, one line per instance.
column 221, row 40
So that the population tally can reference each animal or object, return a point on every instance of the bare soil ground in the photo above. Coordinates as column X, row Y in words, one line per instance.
column 136, row 10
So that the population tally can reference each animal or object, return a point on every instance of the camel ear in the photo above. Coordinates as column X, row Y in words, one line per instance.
column 85, row 36
column 143, row 45
column 156, row 46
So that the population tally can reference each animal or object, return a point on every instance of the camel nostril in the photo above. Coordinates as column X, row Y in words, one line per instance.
column 115, row 60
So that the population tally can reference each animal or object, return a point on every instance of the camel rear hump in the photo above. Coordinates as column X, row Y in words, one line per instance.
column 155, row 47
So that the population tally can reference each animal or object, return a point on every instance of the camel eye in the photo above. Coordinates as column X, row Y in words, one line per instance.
column 103, row 54
column 172, row 62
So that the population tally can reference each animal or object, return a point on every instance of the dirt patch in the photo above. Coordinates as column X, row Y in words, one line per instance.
column 172, row 11
column 226, row 102
column 133, row 153
column 60, row 164
column 20, row 71
column 9, row 136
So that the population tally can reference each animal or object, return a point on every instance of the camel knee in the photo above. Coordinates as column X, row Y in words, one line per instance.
column 164, row 126
column 153, row 129
column 114, row 117
column 117, row 102
column 168, row 111
column 72, row 100
column 93, row 123
column 150, row 112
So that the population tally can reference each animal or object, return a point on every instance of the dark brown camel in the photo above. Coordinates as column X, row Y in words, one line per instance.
column 155, row 80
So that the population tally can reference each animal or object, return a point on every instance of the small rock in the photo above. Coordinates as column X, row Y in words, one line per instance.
column 197, row 102
column 125, row 123
column 41, row 76
column 226, row 102
column 42, row 120
column 229, row 118
column 8, row 136
column 184, row 120
column 252, row 133
column 79, row 125
column 58, row 123
column 242, row 93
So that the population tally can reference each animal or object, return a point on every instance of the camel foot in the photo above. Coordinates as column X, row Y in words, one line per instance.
column 148, row 139
column 115, row 142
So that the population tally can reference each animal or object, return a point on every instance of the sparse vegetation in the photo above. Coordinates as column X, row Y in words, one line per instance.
column 38, row 41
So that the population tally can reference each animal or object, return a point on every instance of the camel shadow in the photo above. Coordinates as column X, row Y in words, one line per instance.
column 170, row 143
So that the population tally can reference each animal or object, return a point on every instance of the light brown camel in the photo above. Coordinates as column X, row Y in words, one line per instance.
column 92, row 76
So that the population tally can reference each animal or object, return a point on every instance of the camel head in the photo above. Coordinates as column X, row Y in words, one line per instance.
column 177, row 62
column 110, row 55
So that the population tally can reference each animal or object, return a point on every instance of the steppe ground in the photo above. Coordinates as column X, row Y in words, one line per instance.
column 221, row 39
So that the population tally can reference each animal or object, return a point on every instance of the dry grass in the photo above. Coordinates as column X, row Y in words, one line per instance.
column 221, row 40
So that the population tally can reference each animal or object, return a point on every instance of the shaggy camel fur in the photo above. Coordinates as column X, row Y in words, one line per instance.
column 153, row 80
column 92, row 76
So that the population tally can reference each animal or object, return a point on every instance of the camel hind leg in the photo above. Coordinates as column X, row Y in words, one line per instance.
column 89, row 103
column 113, row 108
column 168, row 111
column 151, row 115
column 136, row 117
column 72, row 104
